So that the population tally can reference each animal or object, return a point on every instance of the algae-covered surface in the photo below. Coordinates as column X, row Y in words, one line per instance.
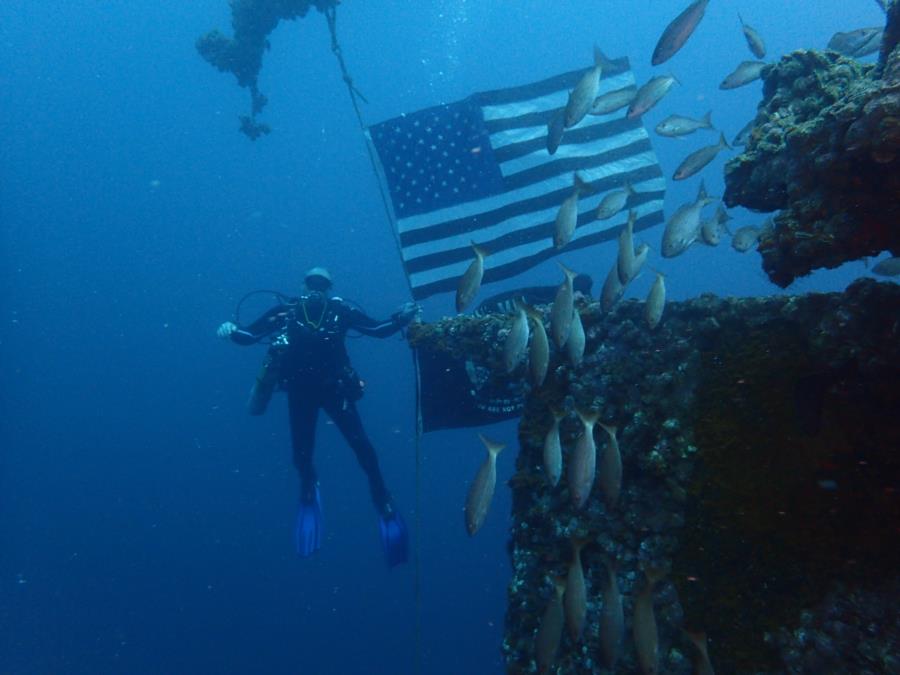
column 758, row 440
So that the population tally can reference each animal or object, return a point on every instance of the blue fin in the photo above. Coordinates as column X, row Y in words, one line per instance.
column 308, row 530
column 394, row 538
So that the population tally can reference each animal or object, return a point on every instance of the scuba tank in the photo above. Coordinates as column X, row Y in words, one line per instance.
column 268, row 377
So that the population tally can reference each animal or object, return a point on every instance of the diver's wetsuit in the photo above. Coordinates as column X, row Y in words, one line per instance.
column 316, row 373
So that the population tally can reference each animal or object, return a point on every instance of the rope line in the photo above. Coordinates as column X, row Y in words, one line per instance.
column 356, row 96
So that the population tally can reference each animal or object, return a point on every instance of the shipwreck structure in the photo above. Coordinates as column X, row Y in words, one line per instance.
column 825, row 151
column 759, row 445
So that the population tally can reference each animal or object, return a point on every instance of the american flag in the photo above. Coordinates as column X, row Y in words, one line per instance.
column 479, row 170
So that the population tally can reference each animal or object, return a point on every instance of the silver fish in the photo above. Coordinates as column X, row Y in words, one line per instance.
column 683, row 228
column 482, row 490
column 678, row 31
column 650, row 94
column 646, row 639
column 556, row 127
column 567, row 216
column 553, row 449
column 656, row 302
column 611, row 469
column 612, row 289
column 744, row 238
column 889, row 267
column 612, row 100
column 625, row 260
column 575, row 343
column 583, row 463
column 562, row 309
column 582, row 96
column 743, row 136
column 745, row 73
column 516, row 341
column 575, row 599
column 698, row 159
column 702, row 664
column 612, row 619
column 711, row 230
column 549, row 634
column 754, row 41
column 678, row 125
column 539, row 352
column 470, row 281
column 614, row 201
column 857, row 43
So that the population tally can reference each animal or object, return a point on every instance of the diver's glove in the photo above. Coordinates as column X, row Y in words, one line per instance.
column 407, row 313
column 226, row 329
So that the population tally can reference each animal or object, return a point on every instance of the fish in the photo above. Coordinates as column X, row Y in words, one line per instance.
column 553, row 449
column 656, row 302
column 550, row 631
column 650, row 93
column 745, row 73
column 679, row 125
column 614, row 201
column 613, row 290
column 583, row 463
column 754, row 41
column 575, row 599
column 567, row 216
column 575, row 343
column 625, row 260
column 744, row 238
column 516, row 341
column 481, row 492
column 612, row 101
column 857, row 43
column 581, row 98
column 702, row 664
column 611, row 469
column 470, row 281
column 646, row 639
column 698, row 159
column 539, row 352
column 678, row 32
column 556, row 127
column 889, row 267
column 743, row 136
column 562, row 309
column 683, row 228
column 612, row 619
column 883, row 4
column 711, row 230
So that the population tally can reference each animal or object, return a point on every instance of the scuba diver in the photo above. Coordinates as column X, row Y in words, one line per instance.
column 308, row 359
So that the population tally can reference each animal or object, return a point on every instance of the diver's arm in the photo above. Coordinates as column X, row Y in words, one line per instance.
column 363, row 323
column 264, row 326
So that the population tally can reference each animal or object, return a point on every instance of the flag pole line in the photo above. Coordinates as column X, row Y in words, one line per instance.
column 355, row 96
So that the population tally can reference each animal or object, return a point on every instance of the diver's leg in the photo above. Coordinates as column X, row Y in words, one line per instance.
column 303, row 411
column 346, row 418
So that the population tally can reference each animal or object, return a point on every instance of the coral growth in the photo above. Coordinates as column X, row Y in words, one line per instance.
column 826, row 151
column 758, row 446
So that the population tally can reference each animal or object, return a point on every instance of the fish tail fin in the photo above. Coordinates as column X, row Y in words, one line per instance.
column 531, row 312
column 558, row 413
column 493, row 447
column 698, row 639
column 601, row 59
column 629, row 188
column 588, row 417
column 701, row 191
column 579, row 543
column 707, row 120
column 611, row 429
column 559, row 585
column 722, row 142
column 480, row 251
column 740, row 18
column 654, row 575
column 570, row 274
column 579, row 183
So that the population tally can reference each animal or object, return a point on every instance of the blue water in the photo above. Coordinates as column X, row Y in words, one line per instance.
column 145, row 520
